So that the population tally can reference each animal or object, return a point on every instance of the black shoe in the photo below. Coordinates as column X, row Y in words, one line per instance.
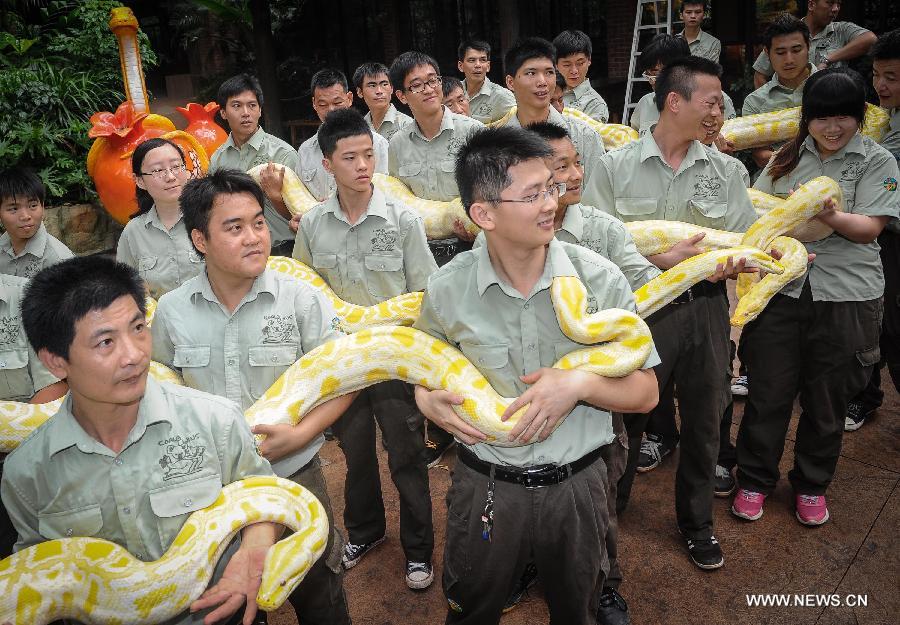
column 528, row 579
column 653, row 450
column 705, row 552
column 435, row 451
column 723, row 484
column 613, row 609
column 857, row 413
column 352, row 553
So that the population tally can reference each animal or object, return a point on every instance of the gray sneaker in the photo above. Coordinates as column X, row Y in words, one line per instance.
column 724, row 483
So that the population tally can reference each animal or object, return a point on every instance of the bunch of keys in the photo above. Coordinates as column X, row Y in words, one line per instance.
column 487, row 517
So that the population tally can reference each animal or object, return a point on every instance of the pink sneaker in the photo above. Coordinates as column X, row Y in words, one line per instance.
column 812, row 509
column 748, row 504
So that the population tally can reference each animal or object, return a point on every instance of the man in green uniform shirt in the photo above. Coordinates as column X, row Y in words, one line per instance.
column 488, row 101
column 701, row 43
column 373, row 86
column 573, row 60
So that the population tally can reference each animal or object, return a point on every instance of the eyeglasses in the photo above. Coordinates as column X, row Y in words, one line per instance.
column 418, row 87
column 162, row 174
column 553, row 191
column 651, row 78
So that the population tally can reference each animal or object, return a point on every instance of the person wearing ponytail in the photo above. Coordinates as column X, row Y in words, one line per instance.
column 819, row 337
column 155, row 241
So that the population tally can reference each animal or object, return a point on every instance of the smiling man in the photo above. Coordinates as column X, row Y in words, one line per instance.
column 99, row 467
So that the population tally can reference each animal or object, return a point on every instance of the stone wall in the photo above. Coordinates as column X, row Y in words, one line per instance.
column 84, row 228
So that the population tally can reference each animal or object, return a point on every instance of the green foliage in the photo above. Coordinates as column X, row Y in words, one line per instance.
column 59, row 64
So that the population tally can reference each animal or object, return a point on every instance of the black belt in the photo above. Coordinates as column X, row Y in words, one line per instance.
column 701, row 289
column 530, row 477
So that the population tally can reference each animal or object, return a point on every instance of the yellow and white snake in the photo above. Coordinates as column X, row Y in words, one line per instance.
column 97, row 582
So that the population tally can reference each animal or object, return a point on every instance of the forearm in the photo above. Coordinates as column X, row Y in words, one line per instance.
column 666, row 260
column 856, row 48
column 761, row 156
column 260, row 535
column 321, row 417
column 636, row 392
column 857, row 228
column 278, row 204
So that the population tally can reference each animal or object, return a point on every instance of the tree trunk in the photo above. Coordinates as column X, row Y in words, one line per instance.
column 264, row 47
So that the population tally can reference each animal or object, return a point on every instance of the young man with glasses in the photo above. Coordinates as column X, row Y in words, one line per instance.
column 669, row 174
column 373, row 86
column 488, row 101
column 544, row 500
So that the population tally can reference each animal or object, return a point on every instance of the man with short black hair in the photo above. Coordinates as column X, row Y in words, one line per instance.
column 832, row 43
column 488, row 101
column 330, row 92
column 455, row 97
column 573, row 60
column 99, row 466
column 374, row 87
column 701, row 43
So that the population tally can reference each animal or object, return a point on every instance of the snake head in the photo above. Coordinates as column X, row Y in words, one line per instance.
column 287, row 563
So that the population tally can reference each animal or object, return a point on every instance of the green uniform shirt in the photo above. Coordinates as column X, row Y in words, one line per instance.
column 587, row 142
column 393, row 121
column 428, row 166
column 587, row 100
column 492, row 101
column 867, row 173
column 166, row 259
column 592, row 228
column 505, row 335
column 705, row 45
column 22, row 374
column 634, row 183
column 774, row 96
column 382, row 255
column 41, row 250
column 259, row 150
column 184, row 447
column 321, row 183
column 239, row 355
column 646, row 114
column 833, row 37
column 891, row 139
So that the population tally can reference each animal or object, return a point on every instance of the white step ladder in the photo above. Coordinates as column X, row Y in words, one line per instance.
column 659, row 13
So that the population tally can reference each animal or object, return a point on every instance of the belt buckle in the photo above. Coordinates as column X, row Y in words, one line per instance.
column 690, row 294
column 529, row 474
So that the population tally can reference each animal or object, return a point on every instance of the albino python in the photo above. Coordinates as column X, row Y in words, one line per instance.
column 96, row 581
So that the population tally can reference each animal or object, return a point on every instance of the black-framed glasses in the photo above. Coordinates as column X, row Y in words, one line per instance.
column 418, row 87
column 160, row 174
column 553, row 191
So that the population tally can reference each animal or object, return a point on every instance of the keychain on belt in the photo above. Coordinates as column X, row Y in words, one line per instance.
column 487, row 517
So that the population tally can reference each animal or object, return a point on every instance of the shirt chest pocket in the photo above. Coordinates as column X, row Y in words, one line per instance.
column 191, row 360
column 15, row 379
column 446, row 174
column 636, row 208
column 493, row 362
column 326, row 265
column 384, row 276
column 171, row 503
column 848, row 195
column 708, row 213
column 85, row 521
column 146, row 264
column 267, row 363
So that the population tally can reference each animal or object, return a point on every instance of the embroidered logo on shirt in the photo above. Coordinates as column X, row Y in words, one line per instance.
column 337, row 326
column 384, row 240
column 182, row 456
column 890, row 184
column 852, row 172
column 707, row 187
column 9, row 330
column 278, row 328
column 484, row 109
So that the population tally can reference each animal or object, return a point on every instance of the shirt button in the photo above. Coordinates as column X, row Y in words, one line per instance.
column 188, row 502
column 531, row 346
column 526, row 306
column 481, row 361
column 231, row 361
column 118, row 462
column 69, row 531
column 3, row 364
column 126, row 510
column 540, row 458
column 274, row 358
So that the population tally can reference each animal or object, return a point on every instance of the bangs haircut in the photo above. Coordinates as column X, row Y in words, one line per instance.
column 144, row 200
column 368, row 70
column 570, row 42
column 785, row 24
column 198, row 196
column 237, row 85
column 18, row 182
column 473, row 44
column 61, row 295
column 449, row 84
column 686, row 3
column 325, row 78
column 548, row 131
column 407, row 62
column 887, row 47
column 661, row 49
column 527, row 49
column 679, row 76
column 483, row 162
column 341, row 124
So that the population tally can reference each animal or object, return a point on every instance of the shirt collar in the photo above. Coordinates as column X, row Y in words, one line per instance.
column 256, row 140
column 825, row 32
column 152, row 219
column 699, row 38
column 264, row 283
column 581, row 90
column 855, row 145
column 775, row 81
column 377, row 207
column 64, row 431
column 649, row 149
column 573, row 221
column 556, row 265
column 554, row 117
column 446, row 123
column 35, row 246
column 486, row 88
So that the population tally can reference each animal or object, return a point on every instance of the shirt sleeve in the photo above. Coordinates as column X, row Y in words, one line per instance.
column 418, row 261
column 848, row 31
column 740, row 214
column 599, row 191
column 762, row 64
column 40, row 376
column 765, row 183
column 750, row 107
column 428, row 320
column 393, row 163
column 505, row 101
column 301, row 244
column 123, row 250
column 876, row 190
column 381, row 153
column 590, row 150
column 317, row 319
column 730, row 113
column 238, row 453
column 623, row 252
column 715, row 50
column 618, row 295
column 597, row 109
column 163, row 347
column 21, row 513
column 287, row 157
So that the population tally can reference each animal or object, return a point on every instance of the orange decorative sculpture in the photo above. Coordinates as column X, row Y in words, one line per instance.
column 118, row 134
column 202, row 125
